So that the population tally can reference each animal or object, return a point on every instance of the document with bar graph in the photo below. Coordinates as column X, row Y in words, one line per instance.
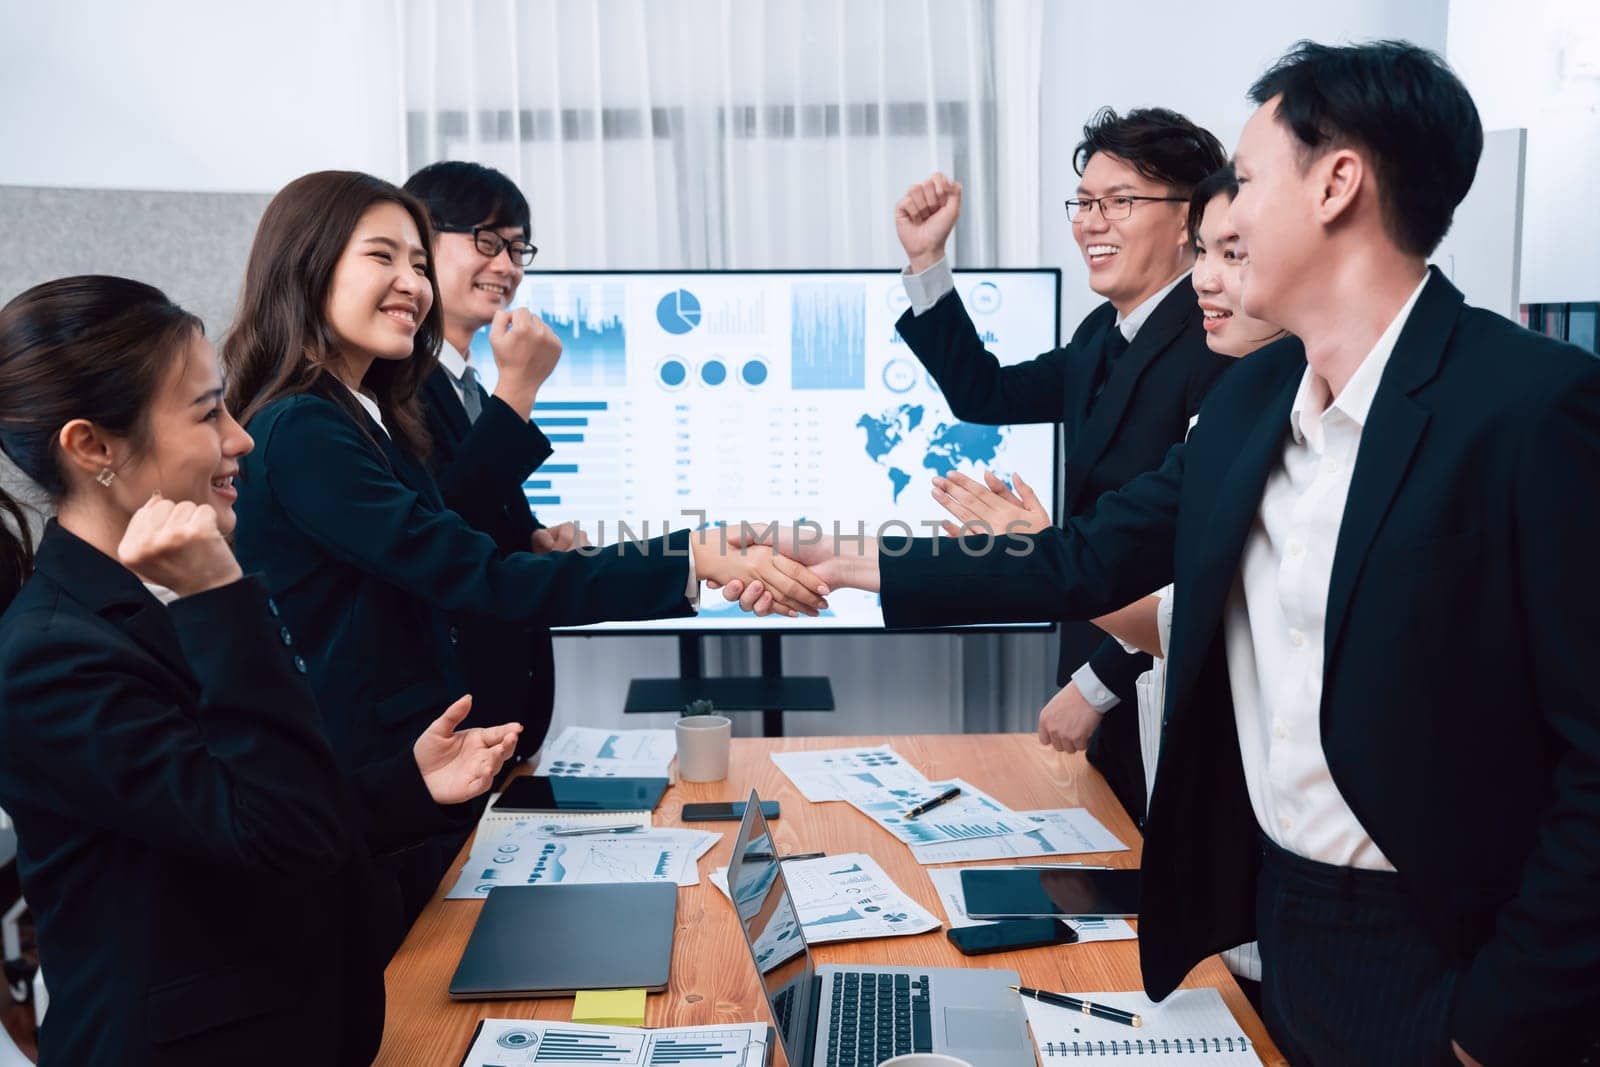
column 515, row 1042
column 973, row 814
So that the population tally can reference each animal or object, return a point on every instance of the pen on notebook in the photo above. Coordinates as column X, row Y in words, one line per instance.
column 928, row 805
column 1099, row 1011
column 579, row 831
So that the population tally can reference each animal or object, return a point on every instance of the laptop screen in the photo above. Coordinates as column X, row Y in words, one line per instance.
column 771, row 928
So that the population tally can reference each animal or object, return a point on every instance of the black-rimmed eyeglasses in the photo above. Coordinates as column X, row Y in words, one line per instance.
column 492, row 244
column 1114, row 208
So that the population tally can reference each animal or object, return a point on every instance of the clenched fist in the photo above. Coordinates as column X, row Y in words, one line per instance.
column 525, row 351
column 177, row 544
column 924, row 218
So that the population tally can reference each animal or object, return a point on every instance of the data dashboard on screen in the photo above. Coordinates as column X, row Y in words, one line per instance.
column 765, row 396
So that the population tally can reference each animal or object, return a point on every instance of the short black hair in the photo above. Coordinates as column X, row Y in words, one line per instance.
column 1404, row 107
column 461, row 195
column 1217, row 183
column 1161, row 145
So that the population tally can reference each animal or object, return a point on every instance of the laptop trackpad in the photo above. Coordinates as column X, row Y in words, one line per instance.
column 977, row 1028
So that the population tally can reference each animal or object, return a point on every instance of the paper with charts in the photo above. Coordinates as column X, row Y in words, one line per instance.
column 1051, row 832
column 1192, row 1026
column 585, row 752
column 525, row 853
column 973, row 814
column 515, row 1042
column 847, row 898
column 947, row 882
column 829, row 773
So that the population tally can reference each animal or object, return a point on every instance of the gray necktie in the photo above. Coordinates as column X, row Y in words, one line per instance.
column 471, row 394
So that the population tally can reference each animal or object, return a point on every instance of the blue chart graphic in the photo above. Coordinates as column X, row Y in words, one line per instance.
column 571, row 1046
column 672, row 373
column 846, row 916
column 754, row 372
column 608, row 748
column 713, row 372
column 593, row 339
column 678, row 312
column 828, row 336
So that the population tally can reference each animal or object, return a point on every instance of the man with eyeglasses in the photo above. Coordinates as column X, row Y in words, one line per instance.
column 485, row 446
column 1123, row 388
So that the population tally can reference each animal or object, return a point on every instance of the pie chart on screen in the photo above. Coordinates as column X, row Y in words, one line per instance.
column 678, row 312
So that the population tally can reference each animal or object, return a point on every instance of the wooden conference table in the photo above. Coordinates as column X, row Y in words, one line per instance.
column 713, row 980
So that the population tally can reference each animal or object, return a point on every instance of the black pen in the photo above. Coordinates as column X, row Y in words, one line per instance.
column 928, row 805
column 1099, row 1011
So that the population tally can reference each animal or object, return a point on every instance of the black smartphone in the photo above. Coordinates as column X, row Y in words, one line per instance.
column 732, row 812
column 1008, row 934
column 1041, row 892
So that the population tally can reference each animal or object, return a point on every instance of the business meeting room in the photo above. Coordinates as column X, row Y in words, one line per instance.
column 799, row 533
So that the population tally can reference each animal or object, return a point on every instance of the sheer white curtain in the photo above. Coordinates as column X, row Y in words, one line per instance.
column 682, row 134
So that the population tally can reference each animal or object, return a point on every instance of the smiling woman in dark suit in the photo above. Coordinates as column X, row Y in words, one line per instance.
column 196, row 865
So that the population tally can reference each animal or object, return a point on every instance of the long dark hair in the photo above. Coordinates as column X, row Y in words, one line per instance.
column 91, row 347
column 281, row 342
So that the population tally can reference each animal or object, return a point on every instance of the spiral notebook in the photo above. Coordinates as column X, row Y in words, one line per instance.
column 1192, row 1026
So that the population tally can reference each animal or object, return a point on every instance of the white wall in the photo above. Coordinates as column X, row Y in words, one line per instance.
column 1198, row 59
column 1538, row 66
column 195, row 96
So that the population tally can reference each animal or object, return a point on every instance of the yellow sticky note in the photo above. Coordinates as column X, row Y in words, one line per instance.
column 609, row 1007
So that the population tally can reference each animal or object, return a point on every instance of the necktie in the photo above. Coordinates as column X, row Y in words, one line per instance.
column 1113, row 345
column 471, row 394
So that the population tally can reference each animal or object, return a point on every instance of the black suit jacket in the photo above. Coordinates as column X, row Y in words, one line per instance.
column 1460, row 716
column 1153, row 390
column 480, row 467
column 197, row 869
column 367, row 564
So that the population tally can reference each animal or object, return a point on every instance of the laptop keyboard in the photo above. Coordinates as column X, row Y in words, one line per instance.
column 876, row 1016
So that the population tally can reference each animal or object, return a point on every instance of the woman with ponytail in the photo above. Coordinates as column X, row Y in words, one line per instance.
column 198, row 868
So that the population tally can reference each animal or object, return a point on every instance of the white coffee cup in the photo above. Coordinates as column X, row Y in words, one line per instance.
column 924, row 1059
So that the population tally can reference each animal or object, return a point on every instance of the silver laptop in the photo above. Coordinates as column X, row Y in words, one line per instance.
column 850, row 1016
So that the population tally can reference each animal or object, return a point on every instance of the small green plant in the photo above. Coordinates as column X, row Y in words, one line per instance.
column 698, row 707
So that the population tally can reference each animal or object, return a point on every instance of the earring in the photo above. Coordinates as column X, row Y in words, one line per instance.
column 106, row 477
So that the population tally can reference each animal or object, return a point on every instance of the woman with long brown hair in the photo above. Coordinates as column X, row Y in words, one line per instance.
column 197, row 866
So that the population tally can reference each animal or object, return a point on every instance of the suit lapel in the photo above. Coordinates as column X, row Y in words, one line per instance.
column 1100, row 424
column 442, row 396
column 1393, row 429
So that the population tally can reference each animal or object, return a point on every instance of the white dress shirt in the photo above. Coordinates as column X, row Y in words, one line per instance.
column 369, row 405
column 455, row 364
column 926, row 289
column 1276, row 613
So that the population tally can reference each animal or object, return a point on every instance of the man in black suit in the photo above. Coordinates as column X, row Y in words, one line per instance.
column 1381, row 749
column 1123, row 389
column 485, row 446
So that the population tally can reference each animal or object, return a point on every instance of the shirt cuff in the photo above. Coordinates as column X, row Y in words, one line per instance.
column 1099, row 697
column 692, row 593
column 929, row 287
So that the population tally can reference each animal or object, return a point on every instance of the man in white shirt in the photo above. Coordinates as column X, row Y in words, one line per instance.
column 1381, row 746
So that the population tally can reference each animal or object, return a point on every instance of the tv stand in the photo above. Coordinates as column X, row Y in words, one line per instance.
column 768, row 692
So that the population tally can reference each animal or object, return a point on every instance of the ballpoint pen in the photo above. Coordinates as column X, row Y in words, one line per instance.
column 1099, row 1011
column 579, row 831
column 928, row 805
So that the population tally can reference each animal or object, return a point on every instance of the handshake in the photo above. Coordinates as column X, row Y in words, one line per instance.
column 790, row 570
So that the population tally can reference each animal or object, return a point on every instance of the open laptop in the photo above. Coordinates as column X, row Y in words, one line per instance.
column 852, row 1016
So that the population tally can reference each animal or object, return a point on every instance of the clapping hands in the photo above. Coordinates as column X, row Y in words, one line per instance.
column 990, row 508
column 458, row 765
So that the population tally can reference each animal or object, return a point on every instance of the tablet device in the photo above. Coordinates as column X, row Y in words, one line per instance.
column 553, row 940
column 1055, row 892
column 541, row 793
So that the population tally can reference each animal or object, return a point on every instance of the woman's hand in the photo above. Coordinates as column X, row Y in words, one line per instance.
column 177, row 544
column 992, row 507
column 458, row 765
column 791, row 589
column 842, row 563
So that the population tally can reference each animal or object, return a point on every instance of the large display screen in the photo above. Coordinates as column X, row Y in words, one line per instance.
column 784, row 396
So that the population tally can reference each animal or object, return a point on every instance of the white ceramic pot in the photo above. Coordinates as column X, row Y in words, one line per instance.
column 703, row 744
column 924, row 1059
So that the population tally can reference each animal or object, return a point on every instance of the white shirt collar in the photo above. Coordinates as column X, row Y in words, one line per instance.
column 451, row 360
column 1130, row 323
column 1355, row 400
column 367, row 403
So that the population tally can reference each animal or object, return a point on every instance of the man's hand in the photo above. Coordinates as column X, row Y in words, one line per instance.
column 924, row 218
column 722, row 561
column 1463, row 1055
column 457, row 765
column 991, row 504
column 840, row 562
column 560, row 538
column 1068, row 721
column 177, row 544
column 526, row 351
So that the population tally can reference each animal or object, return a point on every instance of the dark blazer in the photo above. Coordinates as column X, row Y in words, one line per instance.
column 368, row 564
column 1149, row 396
column 480, row 467
column 197, row 870
column 1460, row 715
